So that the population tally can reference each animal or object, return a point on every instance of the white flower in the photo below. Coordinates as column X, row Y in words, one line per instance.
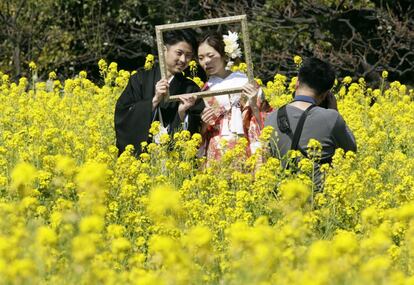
column 231, row 47
column 229, row 65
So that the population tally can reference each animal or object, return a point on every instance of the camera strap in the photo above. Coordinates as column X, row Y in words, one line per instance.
column 284, row 126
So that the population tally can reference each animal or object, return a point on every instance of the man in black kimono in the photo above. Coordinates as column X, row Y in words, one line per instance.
column 141, row 103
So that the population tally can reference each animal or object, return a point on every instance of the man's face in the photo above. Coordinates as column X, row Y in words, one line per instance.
column 178, row 56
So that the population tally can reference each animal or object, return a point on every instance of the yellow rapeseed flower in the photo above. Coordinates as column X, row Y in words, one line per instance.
column 297, row 59
column 23, row 176
column 102, row 65
column 164, row 199
column 52, row 75
column 46, row 236
column 83, row 74
column 149, row 61
column 32, row 65
column 295, row 190
column 347, row 80
column 91, row 224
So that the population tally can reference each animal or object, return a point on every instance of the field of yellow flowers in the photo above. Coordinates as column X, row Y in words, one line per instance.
column 71, row 212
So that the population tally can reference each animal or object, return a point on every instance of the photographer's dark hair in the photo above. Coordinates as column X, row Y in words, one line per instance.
column 176, row 36
column 215, row 40
column 317, row 74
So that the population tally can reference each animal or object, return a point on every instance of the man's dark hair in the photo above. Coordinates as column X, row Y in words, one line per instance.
column 176, row 36
column 317, row 74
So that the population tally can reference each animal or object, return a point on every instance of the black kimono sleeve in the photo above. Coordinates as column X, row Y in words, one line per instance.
column 133, row 113
column 194, row 116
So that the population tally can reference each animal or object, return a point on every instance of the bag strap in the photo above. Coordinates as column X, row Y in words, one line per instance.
column 284, row 126
column 299, row 128
column 158, row 110
column 283, row 122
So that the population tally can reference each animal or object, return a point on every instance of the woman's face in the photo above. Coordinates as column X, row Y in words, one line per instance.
column 210, row 60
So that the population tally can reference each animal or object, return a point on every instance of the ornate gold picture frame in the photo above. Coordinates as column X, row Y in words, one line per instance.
column 242, row 19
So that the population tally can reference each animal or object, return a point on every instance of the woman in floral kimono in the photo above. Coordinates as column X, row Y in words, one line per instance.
column 228, row 117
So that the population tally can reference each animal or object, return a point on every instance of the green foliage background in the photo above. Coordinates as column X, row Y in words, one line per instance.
column 360, row 37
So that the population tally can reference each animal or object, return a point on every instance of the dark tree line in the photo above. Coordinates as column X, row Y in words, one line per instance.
column 361, row 38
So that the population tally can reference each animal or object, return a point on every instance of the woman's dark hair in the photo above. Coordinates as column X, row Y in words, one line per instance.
column 215, row 40
column 317, row 74
column 176, row 36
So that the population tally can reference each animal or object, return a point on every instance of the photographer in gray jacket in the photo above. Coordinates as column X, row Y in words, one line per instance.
column 304, row 119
